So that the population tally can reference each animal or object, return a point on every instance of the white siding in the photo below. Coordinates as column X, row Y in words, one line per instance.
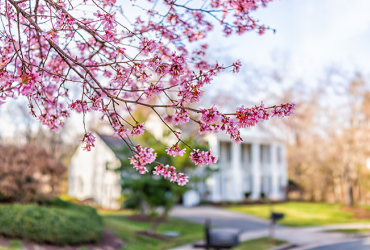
column 90, row 178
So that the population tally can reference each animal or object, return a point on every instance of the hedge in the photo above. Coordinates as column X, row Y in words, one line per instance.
column 57, row 222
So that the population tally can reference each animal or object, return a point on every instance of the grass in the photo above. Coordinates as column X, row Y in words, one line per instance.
column 259, row 244
column 350, row 231
column 299, row 214
column 126, row 230
column 13, row 245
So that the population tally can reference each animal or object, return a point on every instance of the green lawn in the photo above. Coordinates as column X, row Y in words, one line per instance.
column 299, row 214
column 259, row 244
column 126, row 229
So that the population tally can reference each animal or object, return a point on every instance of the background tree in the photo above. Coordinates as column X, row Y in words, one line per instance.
column 328, row 141
column 28, row 174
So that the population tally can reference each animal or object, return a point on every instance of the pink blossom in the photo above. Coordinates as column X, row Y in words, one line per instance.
column 180, row 117
column 138, row 130
column 142, row 157
column 175, row 150
column 249, row 117
column 169, row 171
column 121, row 131
column 202, row 158
column 210, row 116
column 152, row 90
column 89, row 140
column 181, row 179
column 236, row 66
column 79, row 106
column 284, row 110
column 147, row 46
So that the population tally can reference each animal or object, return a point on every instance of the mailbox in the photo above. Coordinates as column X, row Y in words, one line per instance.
column 219, row 238
column 223, row 237
column 276, row 216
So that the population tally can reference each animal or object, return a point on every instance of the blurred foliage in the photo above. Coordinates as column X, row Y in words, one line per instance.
column 151, row 193
column 56, row 222
column 180, row 163
column 28, row 174
column 66, row 197
column 148, row 192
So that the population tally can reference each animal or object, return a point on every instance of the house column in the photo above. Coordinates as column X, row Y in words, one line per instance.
column 284, row 171
column 214, row 186
column 274, row 171
column 256, row 171
column 237, row 174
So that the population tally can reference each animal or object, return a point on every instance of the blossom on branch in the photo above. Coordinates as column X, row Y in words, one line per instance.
column 138, row 130
column 202, row 158
column 89, row 140
column 51, row 55
column 175, row 150
column 169, row 171
column 142, row 157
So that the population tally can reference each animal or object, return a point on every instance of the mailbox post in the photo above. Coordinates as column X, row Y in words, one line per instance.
column 274, row 217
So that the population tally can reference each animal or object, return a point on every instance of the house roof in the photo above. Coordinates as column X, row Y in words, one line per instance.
column 114, row 143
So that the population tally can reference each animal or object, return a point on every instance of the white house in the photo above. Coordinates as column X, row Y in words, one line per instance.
column 91, row 174
column 256, row 166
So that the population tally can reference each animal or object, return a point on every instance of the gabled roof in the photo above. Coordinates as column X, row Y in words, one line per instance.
column 114, row 143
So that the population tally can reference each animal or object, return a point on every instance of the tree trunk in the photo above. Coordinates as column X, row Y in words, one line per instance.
column 350, row 195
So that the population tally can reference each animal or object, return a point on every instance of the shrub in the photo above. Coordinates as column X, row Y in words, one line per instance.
column 59, row 223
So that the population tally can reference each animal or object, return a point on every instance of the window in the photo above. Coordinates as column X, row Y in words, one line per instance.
column 279, row 155
column 265, row 154
column 225, row 151
column 246, row 153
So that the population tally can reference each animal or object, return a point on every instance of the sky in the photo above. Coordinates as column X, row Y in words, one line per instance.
column 311, row 37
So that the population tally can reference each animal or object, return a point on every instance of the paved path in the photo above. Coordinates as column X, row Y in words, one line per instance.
column 220, row 218
column 305, row 238
column 351, row 245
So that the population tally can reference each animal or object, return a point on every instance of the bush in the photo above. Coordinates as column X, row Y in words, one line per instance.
column 59, row 223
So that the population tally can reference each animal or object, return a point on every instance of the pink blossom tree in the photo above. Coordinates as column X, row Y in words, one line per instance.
column 119, row 63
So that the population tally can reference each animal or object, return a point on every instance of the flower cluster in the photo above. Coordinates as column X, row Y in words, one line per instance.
column 179, row 117
column 138, row 130
column 249, row 117
column 108, row 20
column 121, row 131
column 175, row 150
column 142, row 157
column 89, row 140
column 202, row 158
column 210, row 116
column 65, row 20
column 236, row 66
column 169, row 171
column 79, row 106
column 283, row 110
column 147, row 46
column 152, row 90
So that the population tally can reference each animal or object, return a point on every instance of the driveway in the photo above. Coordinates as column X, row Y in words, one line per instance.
column 220, row 218
column 353, row 245
column 306, row 238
